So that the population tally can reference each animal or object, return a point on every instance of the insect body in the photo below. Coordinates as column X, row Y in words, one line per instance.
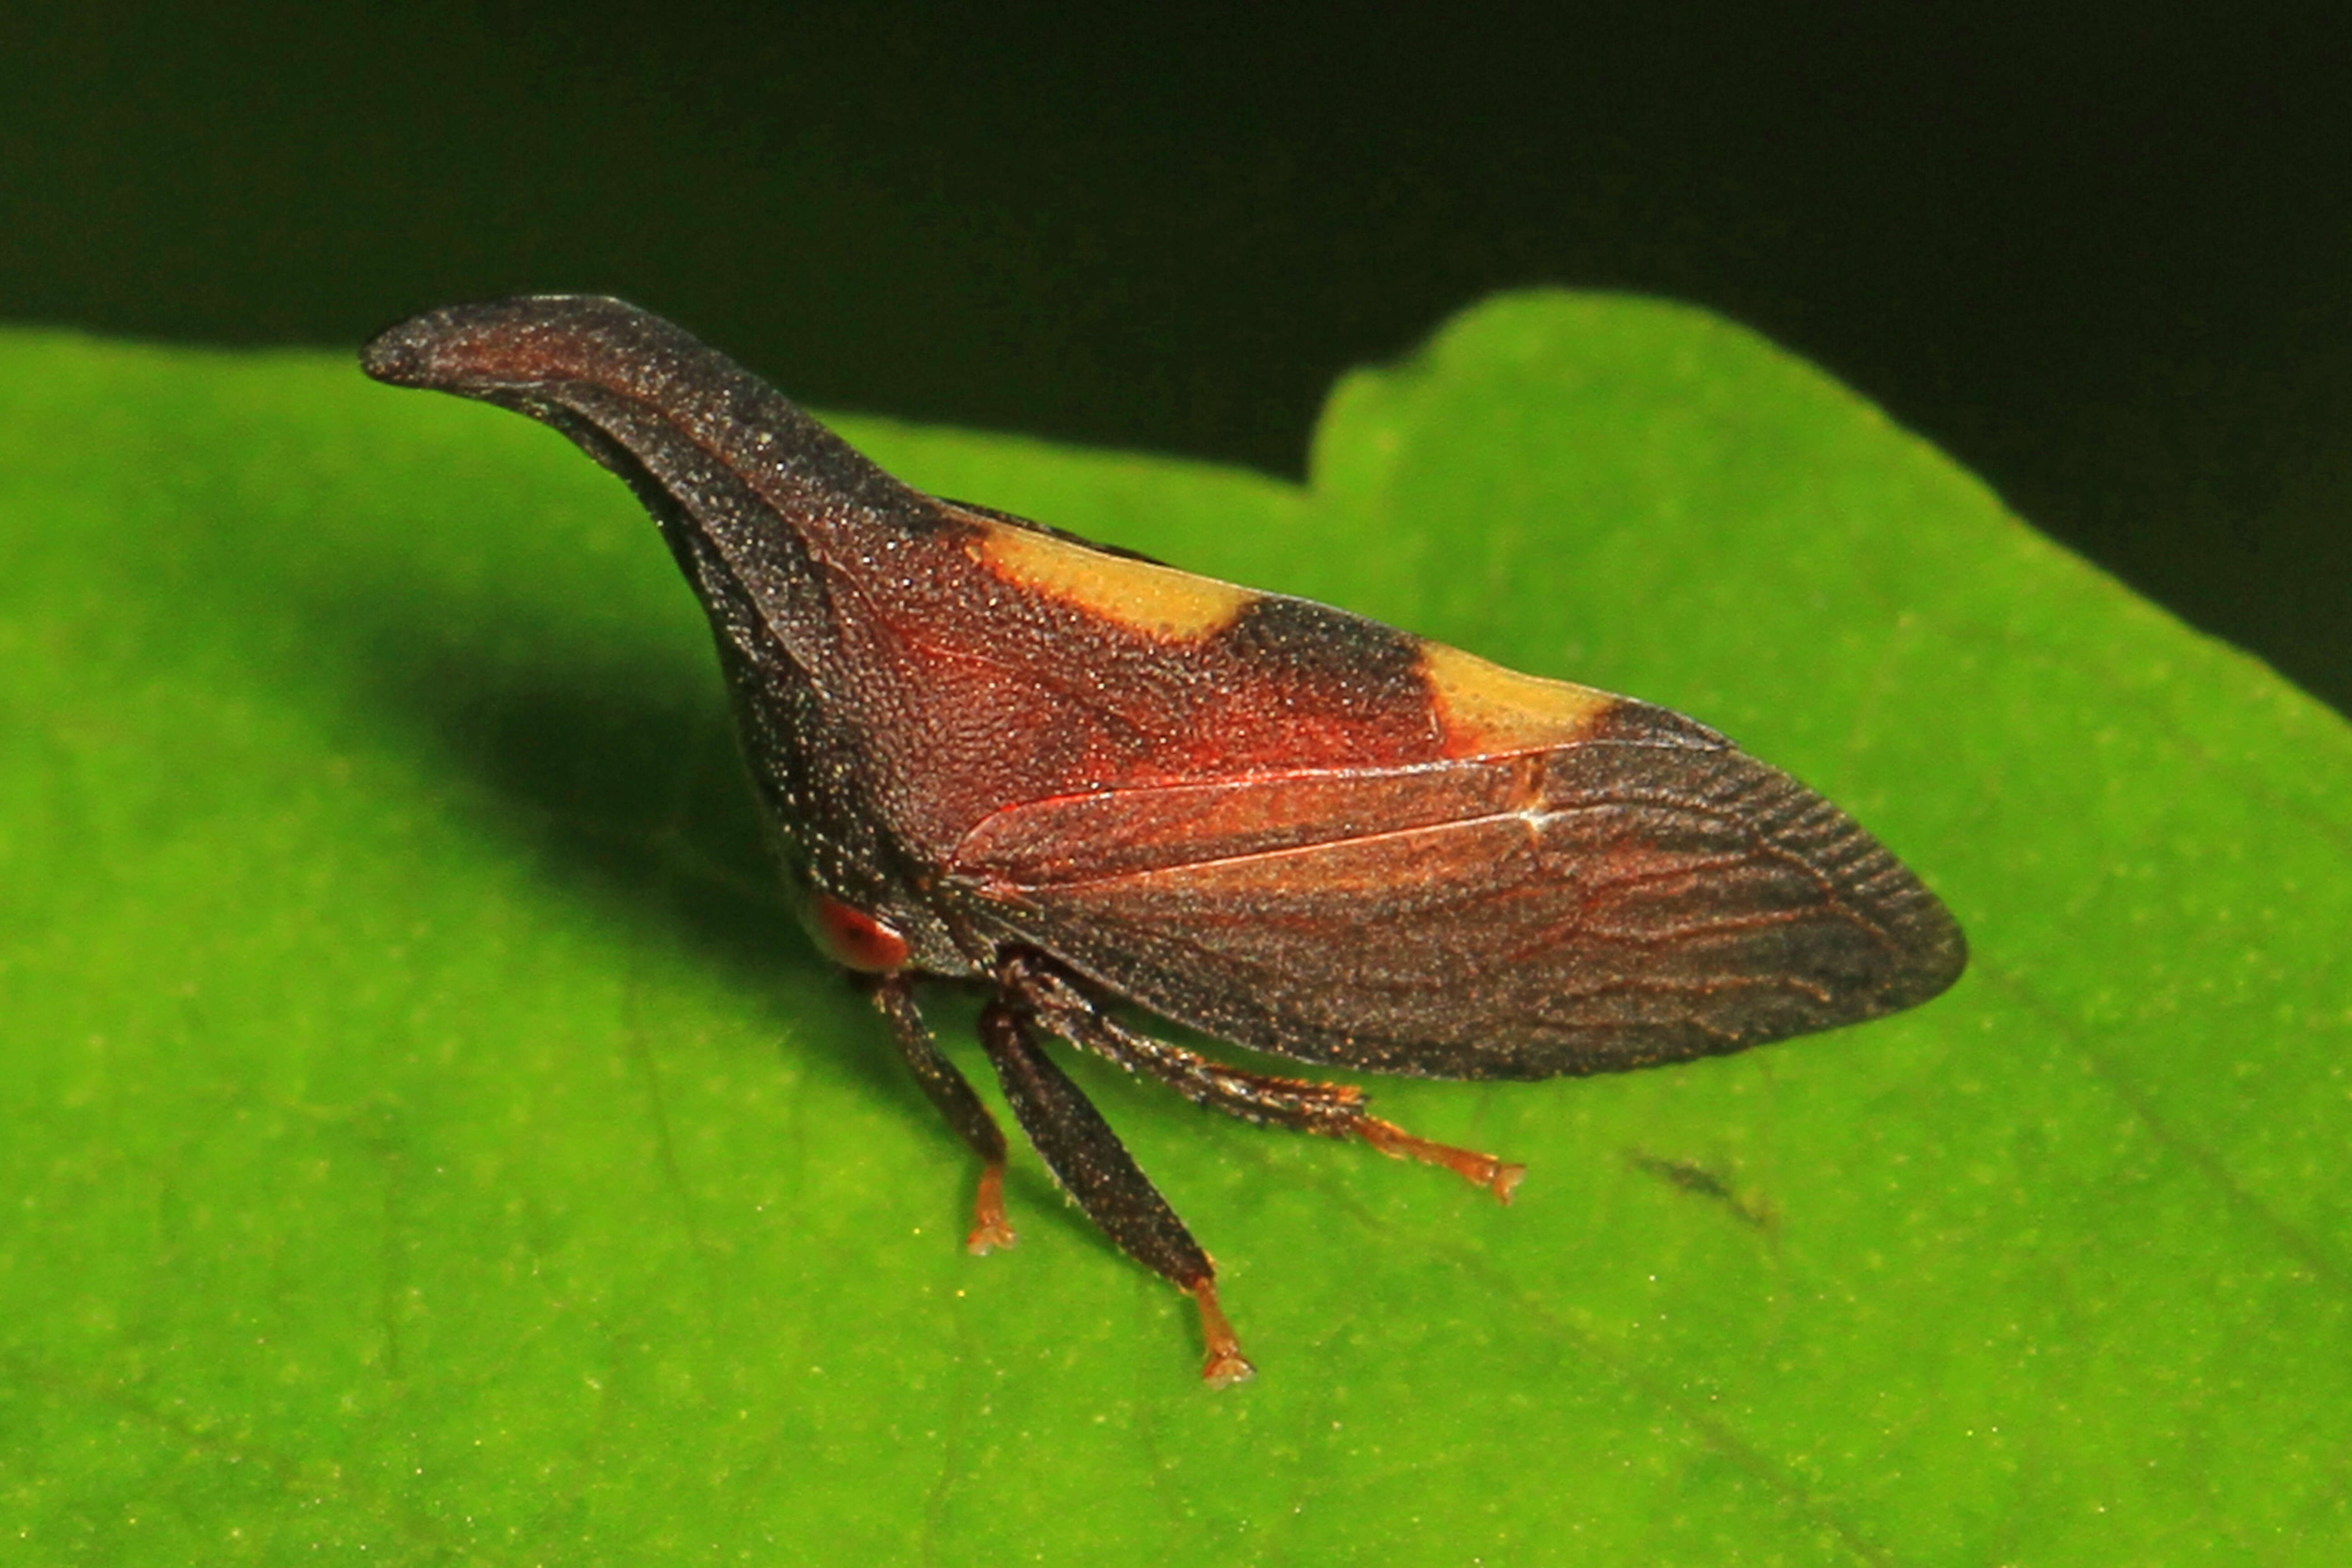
column 995, row 752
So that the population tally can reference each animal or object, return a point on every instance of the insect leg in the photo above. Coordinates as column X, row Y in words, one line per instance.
column 1086, row 1157
column 948, row 1089
column 1330, row 1109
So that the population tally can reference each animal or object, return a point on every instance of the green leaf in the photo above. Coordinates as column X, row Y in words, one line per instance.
column 427, row 1137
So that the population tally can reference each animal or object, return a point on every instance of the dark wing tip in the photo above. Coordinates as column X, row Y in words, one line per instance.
column 1900, row 945
column 1934, row 952
column 1913, row 951
column 1896, row 944
column 1791, row 918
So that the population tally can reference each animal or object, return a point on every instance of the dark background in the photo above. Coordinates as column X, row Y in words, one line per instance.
column 2102, row 256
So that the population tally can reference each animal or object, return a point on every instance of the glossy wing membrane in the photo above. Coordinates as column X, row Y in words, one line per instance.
column 1594, row 906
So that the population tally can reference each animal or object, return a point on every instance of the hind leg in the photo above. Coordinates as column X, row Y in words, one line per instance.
column 1327, row 1109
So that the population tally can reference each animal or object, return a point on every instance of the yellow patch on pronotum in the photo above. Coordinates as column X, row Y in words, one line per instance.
column 1157, row 601
column 1486, row 708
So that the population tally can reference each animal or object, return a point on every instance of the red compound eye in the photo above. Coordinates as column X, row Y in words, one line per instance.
column 854, row 939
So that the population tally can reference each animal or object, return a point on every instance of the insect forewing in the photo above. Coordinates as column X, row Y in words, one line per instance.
column 1645, row 895
column 1276, row 821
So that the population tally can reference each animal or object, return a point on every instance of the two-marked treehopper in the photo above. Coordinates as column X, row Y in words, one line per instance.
column 993, row 751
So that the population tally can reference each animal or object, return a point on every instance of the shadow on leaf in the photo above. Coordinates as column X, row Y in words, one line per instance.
column 619, row 768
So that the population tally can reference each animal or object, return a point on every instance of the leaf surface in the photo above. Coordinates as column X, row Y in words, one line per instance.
column 429, row 1138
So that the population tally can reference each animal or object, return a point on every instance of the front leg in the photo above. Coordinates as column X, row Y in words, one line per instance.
column 948, row 1089
column 1086, row 1157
